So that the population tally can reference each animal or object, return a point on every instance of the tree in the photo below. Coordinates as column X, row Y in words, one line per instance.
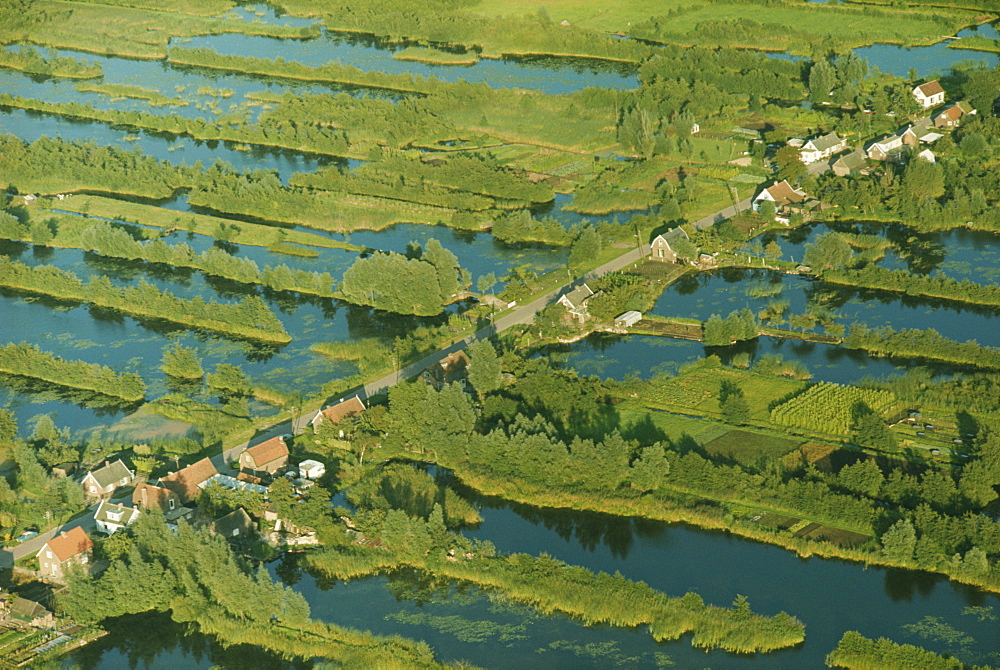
column 767, row 210
column 649, row 470
column 484, row 368
column 830, row 251
column 822, row 80
column 899, row 541
column 923, row 181
column 864, row 477
column 974, row 145
column 8, row 427
column 772, row 251
column 789, row 162
column 586, row 247
column 181, row 361
column 869, row 431
column 733, row 404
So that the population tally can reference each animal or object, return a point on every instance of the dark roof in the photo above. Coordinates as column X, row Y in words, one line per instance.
column 579, row 295
column 339, row 412
column 128, row 514
column 825, row 142
column 853, row 160
column 267, row 451
column 26, row 610
column 152, row 497
column 68, row 544
column 111, row 473
column 237, row 519
column 185, row 482
column 930, row 88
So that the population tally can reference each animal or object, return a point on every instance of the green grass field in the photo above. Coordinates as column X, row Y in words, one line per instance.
column 698, row 390
column 800, row 24
column 749, row 449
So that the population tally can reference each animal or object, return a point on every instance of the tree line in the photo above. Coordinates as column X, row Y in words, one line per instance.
column 917, row 343
column 250, row 318
column 28, row 360
column 31, row 60
column 106, row 239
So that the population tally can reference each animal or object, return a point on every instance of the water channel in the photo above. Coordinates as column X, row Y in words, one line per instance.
column 829, row 596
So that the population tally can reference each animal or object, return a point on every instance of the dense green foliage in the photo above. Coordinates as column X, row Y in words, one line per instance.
column 421, row 283
column 30, row 361
column 32, row 61
column 827, row 408
column 739, row 325
column 114, row 241
column 194, row 575
column 250, row 318
column 902, row 281
column 180, row 361
column 921, row 344
column 856, row 652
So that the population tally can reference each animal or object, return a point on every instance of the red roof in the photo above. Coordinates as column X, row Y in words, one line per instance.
column 930, row 88
column 69, row 543
column 268, row 451
column 185, row 482
column 953, row 113
column 339, row 412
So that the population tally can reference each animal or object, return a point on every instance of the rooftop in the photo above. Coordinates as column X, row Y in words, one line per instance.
column 68, row 544
column 268, row 451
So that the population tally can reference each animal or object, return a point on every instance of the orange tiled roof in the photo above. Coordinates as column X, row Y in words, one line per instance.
column 69, row 544
column 265, row 452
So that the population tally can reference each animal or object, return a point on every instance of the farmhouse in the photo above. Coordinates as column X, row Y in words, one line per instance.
column 929, row 95
column 821, row 147
column 661, row 250
column 68, row 548
column 104, row 480
column 111, row 518
column 185, row 482
column 781, row 194
column 576, row 301
column 951, row 116
column 148, row 496
column 848, row 163
column 337, row 413
column 889, row 148
column 269, row 456
column 453, row 368
column 31, row 613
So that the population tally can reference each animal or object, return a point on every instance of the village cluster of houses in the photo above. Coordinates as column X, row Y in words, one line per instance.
column 174, row 493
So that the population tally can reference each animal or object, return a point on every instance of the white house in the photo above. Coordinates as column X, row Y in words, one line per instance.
column 310, row 469
column 113, row 517
column 780, row 193
column 886, row 148
column 661, row 250
column 929, row 95
column 819, row 148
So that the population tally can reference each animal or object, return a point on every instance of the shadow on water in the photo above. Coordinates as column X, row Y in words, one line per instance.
column 40, row 391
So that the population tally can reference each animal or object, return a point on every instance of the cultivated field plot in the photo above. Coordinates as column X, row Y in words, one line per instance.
column 827, row 407
column 749, row 449
column 698, row 390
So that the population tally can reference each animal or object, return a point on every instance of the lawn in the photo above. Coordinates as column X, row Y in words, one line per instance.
column 749, row 449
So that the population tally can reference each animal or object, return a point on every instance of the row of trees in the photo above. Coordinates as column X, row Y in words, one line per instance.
column 921, row 344
column 857, row 652
column 30, row 361
column 249, row 318
column 903, row 281
column 31, row 60
column 739, row 325
column 115, row 241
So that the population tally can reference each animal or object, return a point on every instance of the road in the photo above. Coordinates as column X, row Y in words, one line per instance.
column 522, row 314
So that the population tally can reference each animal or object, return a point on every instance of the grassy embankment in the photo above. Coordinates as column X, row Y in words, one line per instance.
column 30, row 60
column 133, row 32
column 435, row 56
column 552, row 586
column 776, row 26
column 240, row 232
column 29, row 361
column 250, row 319
column 152, row 97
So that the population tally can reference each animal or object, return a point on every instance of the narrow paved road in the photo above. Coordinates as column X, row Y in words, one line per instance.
column 522, row 314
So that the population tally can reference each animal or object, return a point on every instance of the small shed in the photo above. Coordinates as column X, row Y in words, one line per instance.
column 628, row 319
column 310, row 469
